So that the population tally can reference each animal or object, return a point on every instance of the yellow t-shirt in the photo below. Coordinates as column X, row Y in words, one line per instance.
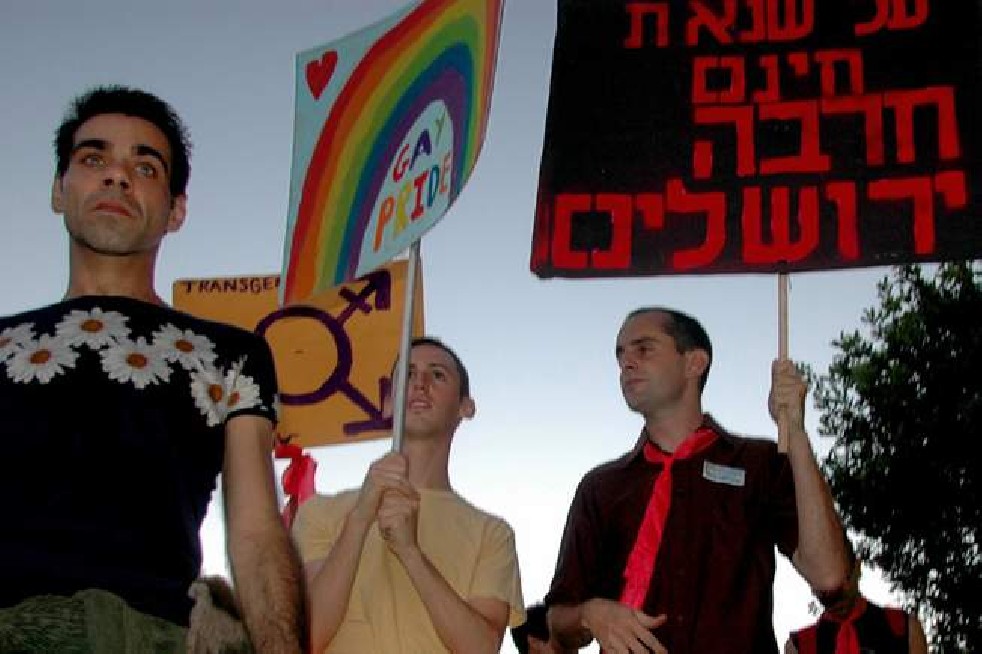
column 473, row 551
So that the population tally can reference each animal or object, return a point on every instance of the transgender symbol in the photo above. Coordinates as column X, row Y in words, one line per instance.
column 379, row 284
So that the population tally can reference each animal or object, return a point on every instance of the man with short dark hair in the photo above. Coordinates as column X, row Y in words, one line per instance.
column 670, row 548
column 119, row 413
column 405, row 564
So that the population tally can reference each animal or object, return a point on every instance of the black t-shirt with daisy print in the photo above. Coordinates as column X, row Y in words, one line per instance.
column 113, row 433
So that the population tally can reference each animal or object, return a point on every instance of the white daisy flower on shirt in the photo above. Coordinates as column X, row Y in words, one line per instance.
column 135, row 361
column 41, row 360
column 184, row 347
column 209, row 393
column 95, row 328
column 243, row 391
column 13, row 338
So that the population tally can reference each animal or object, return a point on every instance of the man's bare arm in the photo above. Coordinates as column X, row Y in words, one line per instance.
column 821, row 555
column 265, row 566
column 476, row 626
column 916, row 640
column 330, row 580
column 467, row 627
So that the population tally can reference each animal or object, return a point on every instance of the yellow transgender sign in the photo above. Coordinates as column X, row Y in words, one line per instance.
column 334, row 352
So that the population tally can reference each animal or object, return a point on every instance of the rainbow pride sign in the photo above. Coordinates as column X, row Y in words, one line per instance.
column 388, row 126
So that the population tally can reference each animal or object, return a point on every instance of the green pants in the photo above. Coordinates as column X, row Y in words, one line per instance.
column 89, row 622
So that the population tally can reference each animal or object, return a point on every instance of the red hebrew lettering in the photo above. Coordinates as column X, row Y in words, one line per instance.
column 705, row 18
column 742, row 119
column 638, row 11
column 778, row 20
column 843, row 196
column 758, row 22
column 920, row 192
column 737, row 91
column 563, row 255
column 904, row 103
column 877, row 22
column 652, row 208
column 871, row 108
column 702, row 159
column 853, row 59
column 713, row 206
column 893, row 15
column 781, row 248
column 796, row 24
column 810, row 158
column 621, row 210
column 772, row 80
column 952, row 188
column 901, row 20
column 799, row 63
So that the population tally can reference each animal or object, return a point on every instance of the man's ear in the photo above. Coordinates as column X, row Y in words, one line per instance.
column 696, row 362
column 178, row 211
column 57, row 195
column 467, row 408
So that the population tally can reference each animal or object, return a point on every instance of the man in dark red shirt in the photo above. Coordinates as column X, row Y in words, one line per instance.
column 671, row 547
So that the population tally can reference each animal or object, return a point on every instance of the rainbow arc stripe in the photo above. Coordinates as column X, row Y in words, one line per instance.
column 442, row 50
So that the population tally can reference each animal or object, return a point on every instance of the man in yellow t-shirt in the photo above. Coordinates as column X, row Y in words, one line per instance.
column 404, row 564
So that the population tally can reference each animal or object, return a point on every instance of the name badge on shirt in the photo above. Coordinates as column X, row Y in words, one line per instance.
column 724, row 474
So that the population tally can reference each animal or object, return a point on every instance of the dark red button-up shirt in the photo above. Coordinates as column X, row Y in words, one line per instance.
column 731, row 504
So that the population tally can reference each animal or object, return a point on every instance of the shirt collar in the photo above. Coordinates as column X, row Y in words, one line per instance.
column 637, row 452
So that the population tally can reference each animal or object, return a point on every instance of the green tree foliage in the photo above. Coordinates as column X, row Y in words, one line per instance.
column 904, row 405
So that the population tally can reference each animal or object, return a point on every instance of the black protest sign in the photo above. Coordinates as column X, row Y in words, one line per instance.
column 720, row 136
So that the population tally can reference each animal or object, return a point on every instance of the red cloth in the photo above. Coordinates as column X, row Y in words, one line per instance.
column 847, row 639
column 298, row 478
column 641, row 561
column 806, row 640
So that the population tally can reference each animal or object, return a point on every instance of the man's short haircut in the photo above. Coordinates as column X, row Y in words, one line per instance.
column 465, row 380
column 689, row 334
column 535, row 625
column 137, row 104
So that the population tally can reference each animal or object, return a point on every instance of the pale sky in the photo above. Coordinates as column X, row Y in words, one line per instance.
column 540, row 353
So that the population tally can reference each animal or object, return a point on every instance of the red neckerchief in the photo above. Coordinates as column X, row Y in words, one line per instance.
column 641, row 561
column 298, row 478
column 847, row 639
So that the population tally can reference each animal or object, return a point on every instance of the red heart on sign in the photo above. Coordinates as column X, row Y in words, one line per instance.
column 319, row 72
